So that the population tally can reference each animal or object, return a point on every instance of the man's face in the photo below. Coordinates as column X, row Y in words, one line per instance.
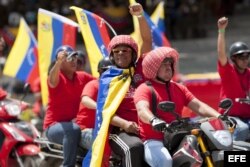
column 80, row 64
column 122, row 56
column 165, row 71
column 70, row 65
column 242, row 60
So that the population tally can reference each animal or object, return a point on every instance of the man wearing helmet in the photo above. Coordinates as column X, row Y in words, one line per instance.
column 235, row 79
column 86, row 115
column 158, row 67
column 81, row 60
column 123, row 53
column 65, row 85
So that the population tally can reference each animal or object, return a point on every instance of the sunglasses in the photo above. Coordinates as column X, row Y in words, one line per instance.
column 124, row 50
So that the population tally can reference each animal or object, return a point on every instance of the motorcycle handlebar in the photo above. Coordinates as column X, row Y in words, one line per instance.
column 243, row 100
column 182, row 124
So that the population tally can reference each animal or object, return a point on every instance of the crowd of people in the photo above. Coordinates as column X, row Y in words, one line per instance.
column 136, row 128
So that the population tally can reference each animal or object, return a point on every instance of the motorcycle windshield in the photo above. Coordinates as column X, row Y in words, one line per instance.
column 217, row 132
column 217, row 124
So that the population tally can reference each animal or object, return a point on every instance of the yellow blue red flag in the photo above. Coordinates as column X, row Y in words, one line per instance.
column 53, row 31
column 159, row 37
column 114, row 84
column 95, row 34
column 22, row 62
column 158, row 16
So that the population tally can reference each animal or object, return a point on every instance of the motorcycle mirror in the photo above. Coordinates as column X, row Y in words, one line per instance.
column 226, row 103
column 26, row 89
column 166, row 106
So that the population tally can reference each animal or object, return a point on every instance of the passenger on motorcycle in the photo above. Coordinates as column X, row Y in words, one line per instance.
column 65, row 85
column 158, row 67
column 123, row 52
column 86, row 115
column 81, row 60
column 235, row 79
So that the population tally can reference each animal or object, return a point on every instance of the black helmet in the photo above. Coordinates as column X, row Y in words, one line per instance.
column 238, row 48
column 104, row 64
column 70, row 51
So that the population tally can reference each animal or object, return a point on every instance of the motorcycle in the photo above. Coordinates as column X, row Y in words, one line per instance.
column 17, row 146
column 53, row 153
column 243, row 101
column 198, row 142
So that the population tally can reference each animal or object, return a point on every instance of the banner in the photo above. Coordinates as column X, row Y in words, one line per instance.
column 95, row 35
column 53, row 31
column 114, row 84
column 22, row 61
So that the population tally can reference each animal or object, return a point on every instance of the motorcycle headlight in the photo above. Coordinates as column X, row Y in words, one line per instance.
column 13, row 109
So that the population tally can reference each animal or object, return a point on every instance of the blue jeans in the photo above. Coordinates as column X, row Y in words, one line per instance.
column 86, row 138
column 241, row 131
column 68, row 134
column 156, row 155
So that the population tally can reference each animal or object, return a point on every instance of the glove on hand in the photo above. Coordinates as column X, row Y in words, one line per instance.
column 158, row 124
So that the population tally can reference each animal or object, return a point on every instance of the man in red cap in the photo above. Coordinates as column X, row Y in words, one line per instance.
column 159, row 66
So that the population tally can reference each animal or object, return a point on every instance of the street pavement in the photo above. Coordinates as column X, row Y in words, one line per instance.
column 199, row 55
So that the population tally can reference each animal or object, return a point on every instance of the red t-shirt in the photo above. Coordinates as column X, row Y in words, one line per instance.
column 3, row 94
column 86, row 117
column 127, row 109
column 180, row 95
column 64, row 100
column 235, row 85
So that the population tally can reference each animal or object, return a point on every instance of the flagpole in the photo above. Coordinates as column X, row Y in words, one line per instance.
column 110, row 27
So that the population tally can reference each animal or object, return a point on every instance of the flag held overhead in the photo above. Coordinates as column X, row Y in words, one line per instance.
column 95, row 34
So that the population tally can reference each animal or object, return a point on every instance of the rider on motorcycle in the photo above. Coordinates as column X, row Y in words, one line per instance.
column 159, row 66
column 86, row 115
column 65, row 85
column 235, row 79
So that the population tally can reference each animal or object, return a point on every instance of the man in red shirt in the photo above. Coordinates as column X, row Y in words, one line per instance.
column 159, row 66
column 65, row 85
column 235, row 79
column 123, row 52
column 87, row 111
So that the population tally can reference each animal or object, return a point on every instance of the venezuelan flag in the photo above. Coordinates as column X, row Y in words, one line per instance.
column 22, row 62
column 53, row 31
column 158, row 17
column 159, row 38
column 95, row 36
column 114, row 84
